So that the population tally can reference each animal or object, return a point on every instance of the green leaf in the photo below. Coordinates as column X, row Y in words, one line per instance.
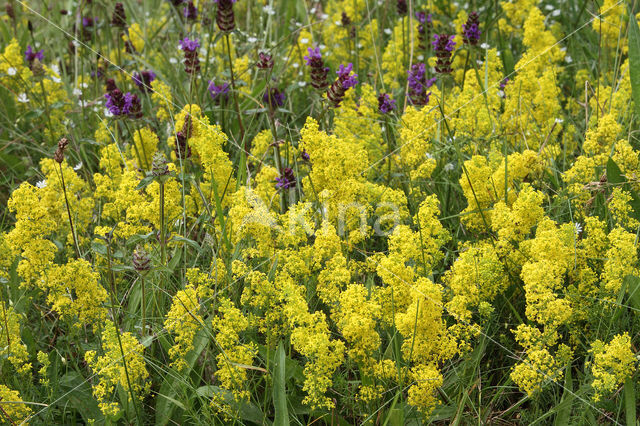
column 144, row 182
column 77, row 394
column 279, row 388
column 633, row 289
column 614, row 174
column 630, row 401
column 247, row 410
column 634, row 61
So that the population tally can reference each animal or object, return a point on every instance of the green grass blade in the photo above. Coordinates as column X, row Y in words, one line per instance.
column 280, row 389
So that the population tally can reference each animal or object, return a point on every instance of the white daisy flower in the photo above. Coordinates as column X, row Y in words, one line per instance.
column 41, row 184
column 22, row 98
column 77, row 166
column 12, row 71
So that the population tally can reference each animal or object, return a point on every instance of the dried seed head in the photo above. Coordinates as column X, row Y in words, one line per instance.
column 141, row 260
column 159, row 165
column 59, row 155
column 119, row 17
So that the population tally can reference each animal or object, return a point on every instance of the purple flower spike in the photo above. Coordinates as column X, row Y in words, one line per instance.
column 443, row 45
column 318, row 71
column 190, row 49
column 31, row 56
column 345, row 81
column 344, row 76
column 143, row 80
column 286, row 180
column 418, row 84
column 385, row 103
column 471, row 30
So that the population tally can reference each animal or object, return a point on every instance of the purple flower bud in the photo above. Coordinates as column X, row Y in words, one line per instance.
column 219, row 93
column 189, row 11
column 143, row 80
column 286, row 180
column 30, row 55
column 274, row 98
column 225, row 18
column 385, row 103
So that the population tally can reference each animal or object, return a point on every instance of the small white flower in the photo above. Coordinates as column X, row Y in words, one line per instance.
column 359, row 45
column 22, row 98
column 569, row 59
column 252, row 39
column 173, row 60
column 556, row 12
column 12, row 71
column 549, row 7
column 498, row 53
column 304, row 40
column 479, row 62
column 428, row 155
column 324, row 16
column 302, row 83
column 421, row 58
column 107, row 113
column 37, row 43
column 295, row 65
column 577, row 228
column 387, row 31
column 77, row 92
column 322, row 47
column 82, row 103
column 485, row 46
column 448, row 167
column 56, row 79
column 559, row 120
column 41, row 184
column 55, row 68
column 84, row 85
column 312, row 10
column 77, row 166
column 338, row 23
column 75, row 43
column 269, row 10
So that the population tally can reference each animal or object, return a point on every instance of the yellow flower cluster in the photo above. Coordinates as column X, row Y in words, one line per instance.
column 184, row 321
column 115, row 371
column 612, row 364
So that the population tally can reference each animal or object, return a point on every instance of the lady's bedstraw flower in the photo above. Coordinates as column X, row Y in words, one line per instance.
column 345, row 81
column 274, row 98
column 443, row 46
column 265, row 61
column 143, row 80
column 471, row 30
column 30, row 55
column 286, row 179
column 190, row 49
column 318, row 71
column 219, row 92
column 418, row 84
column 385, row 103
column 190, row 12
column 425, row 26
column 119, row 17
column 224, row 15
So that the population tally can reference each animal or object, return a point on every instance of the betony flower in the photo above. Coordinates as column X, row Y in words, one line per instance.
column 385, row 103
column 318, row 71
column 120, row 104
column 287, row 179
column 189, row 11
column 225, row 19
column 471, row 29
column 425, row 26
column 401, row 7
column 219, row 92
column 30, row 55
column 345, row 80
column 119, row 17
column 418, row 84
column 443, row 46
column 190, row 49
column 274, row 98
column 265, row 61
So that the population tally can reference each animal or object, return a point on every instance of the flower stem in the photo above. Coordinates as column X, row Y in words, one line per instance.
column 66, row 201
column 235, row 92
column 163, row 248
